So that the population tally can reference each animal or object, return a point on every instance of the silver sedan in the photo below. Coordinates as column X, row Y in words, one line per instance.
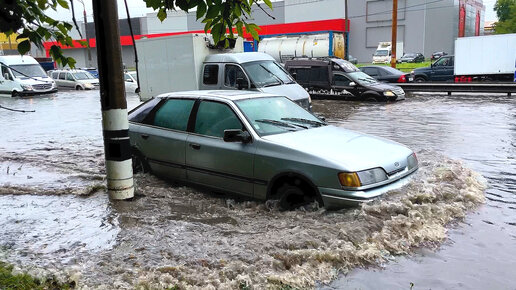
column 265, row 147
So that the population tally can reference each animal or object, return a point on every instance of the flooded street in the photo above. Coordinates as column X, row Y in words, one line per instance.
column 443, row 230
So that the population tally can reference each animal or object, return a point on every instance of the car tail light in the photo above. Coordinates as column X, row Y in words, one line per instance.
column 402, row 79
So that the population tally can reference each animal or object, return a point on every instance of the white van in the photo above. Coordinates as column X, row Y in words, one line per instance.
column 75, row 79
column 22, row 75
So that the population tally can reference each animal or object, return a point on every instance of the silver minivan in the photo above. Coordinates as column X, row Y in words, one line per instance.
column 74, row 79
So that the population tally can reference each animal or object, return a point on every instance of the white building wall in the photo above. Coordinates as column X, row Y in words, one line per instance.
column 175, row 22
column 310, row 10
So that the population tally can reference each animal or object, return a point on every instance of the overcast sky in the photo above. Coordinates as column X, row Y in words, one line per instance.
column 137, row 8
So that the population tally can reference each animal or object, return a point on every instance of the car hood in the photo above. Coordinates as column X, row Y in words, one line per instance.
column 344, row 149
column 89, row 81
column 293, row 91
column 382, row 86
column 35, row 80
column 422, row 69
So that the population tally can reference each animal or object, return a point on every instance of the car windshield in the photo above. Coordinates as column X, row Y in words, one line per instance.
column 266, row 73
column 392, row 70
column 277, row 115
column 83, row 76
column 382, row 52
column 362, row 78
column 28, row 70
column 133, row 74
column 408, row 55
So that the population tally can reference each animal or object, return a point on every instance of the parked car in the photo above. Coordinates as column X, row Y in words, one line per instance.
column 74, row 79
column 338, row 75
column 441, row 71
column 263, row 146
column 93, row 71
column 437, row 55
column 411, row 57
column 23, row 76
column 131, row 83
column 386, row 74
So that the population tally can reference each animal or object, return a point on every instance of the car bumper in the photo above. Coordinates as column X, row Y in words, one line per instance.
column 34, row 93
column 338, row 198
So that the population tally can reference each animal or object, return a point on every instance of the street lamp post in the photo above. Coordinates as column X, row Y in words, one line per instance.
column 88, row 48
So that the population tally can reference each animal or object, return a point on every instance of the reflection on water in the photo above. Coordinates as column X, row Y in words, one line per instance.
column 171, row 234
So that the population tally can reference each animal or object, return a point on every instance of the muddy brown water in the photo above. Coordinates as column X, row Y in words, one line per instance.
column 442, row 230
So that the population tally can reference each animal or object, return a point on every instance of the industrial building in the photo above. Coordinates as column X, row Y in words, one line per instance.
column 423, row 25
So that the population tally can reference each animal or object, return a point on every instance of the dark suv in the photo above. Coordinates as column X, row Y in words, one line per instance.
column 337, row 77
column 440, row 71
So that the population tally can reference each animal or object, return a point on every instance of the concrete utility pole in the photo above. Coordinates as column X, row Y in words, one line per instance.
column 346, row 41
column 112, row 98
column 394, row 32
column 88, row 48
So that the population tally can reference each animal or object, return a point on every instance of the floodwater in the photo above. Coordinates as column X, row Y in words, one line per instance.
column 442, row 230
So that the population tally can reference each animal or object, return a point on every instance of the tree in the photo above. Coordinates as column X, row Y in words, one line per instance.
column 506, row 12
column 27, row 17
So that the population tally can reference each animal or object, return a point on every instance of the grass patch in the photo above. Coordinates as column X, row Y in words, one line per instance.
column 8, row 281
column 405, row 67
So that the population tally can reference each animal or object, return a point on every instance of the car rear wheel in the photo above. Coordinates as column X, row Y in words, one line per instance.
column 140, row 164
column 79, row 88
column 14, row 94
column 292, row 196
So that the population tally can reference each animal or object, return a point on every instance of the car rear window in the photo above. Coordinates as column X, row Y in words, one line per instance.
column 174, row 114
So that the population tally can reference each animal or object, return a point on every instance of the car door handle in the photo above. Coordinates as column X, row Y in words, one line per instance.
column 145, row 136
column 195, row 146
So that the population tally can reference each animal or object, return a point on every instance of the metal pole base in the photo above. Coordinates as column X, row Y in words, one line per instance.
column 120, row 179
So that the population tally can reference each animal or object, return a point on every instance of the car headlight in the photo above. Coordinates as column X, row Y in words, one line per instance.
column 389, row 94
column 412, row 161
column 361, row 178
column 27, row 87
column 87, row 85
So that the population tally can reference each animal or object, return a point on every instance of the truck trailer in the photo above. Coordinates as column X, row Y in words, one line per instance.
column 287, row 47
column 191, row 62
column 485, row 58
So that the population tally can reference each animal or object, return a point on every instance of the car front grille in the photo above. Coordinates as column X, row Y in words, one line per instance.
column 399, row 91
column 42, row 86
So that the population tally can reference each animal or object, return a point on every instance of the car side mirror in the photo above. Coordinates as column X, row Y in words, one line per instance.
column 321, row 117
column 242, row 84
column 236, row 135
column 352, row 84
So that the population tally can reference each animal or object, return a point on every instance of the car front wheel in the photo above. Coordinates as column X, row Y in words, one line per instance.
column 140, row 164
column 292, row 196
column 419, row 80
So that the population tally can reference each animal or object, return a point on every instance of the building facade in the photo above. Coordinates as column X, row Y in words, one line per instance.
column 423, row 25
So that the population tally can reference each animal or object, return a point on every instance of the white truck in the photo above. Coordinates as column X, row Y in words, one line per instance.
column 485, row 58
column 189, row 62
column 383, row 52
column 22, row 75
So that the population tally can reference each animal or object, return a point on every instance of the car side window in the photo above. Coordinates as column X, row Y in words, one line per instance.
column 231, row 74
column 341, row 80
column 55, row 75
column 319, row 74
column 69, row 77
column 128, row 78
column 174, row 114
column 210, row 74
column 213, row 118
column 302, row 75
column 371, row 71
column 62, row 76
column 6, row 71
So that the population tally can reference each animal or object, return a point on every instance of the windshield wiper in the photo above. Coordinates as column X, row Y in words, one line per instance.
column 279, row 123
column 271, row 85
column 371, row 80
column 305, row 121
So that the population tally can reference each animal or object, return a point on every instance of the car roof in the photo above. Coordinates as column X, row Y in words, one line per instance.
column 241, row 57
column 232, row 95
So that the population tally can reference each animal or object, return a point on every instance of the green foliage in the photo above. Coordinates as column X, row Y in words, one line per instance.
column 506, row 12
column 8, row 281
column 27, row 17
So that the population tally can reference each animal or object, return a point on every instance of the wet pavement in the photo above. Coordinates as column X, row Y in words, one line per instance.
column 56, row 219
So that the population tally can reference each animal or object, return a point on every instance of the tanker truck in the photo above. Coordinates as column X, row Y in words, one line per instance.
column 286, row 47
